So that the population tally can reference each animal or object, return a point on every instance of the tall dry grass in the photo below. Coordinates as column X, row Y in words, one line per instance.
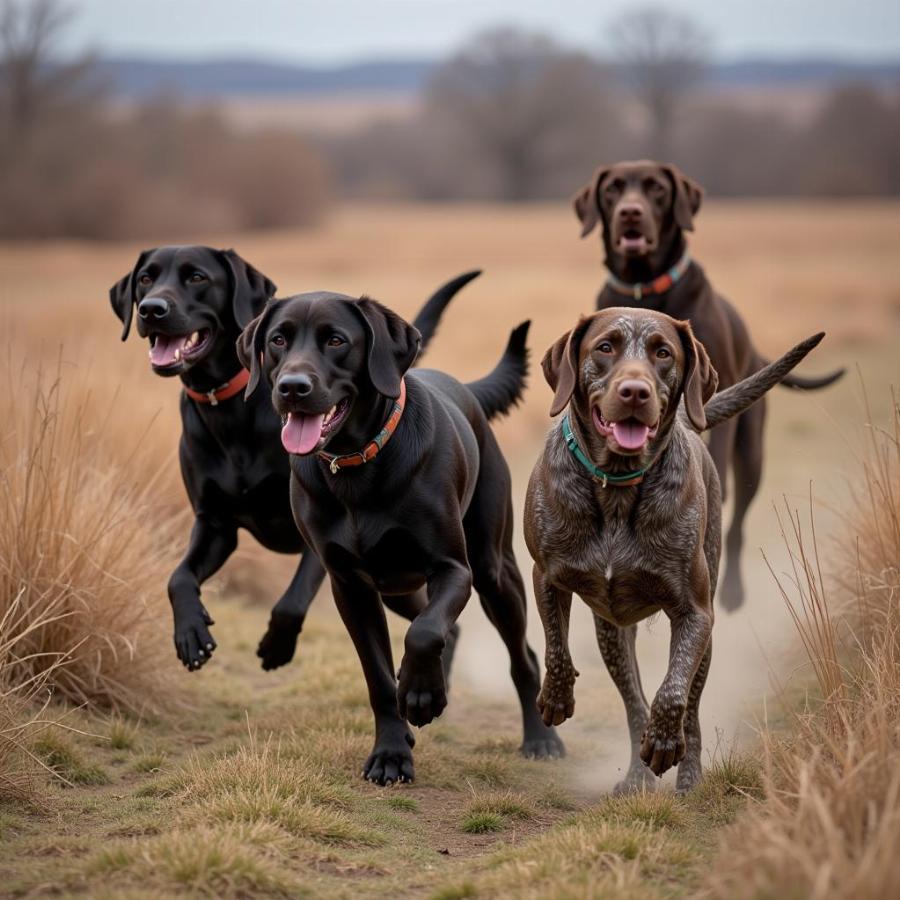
column 82, row 549
column 829, row 822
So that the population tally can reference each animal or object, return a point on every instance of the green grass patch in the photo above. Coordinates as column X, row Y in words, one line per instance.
column 482, row 822
column 61, row 755
column 402, row 802
column 505, row 803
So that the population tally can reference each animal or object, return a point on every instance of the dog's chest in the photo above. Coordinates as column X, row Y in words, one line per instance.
column 624, row 567
column 613, row 571
column 386, row 556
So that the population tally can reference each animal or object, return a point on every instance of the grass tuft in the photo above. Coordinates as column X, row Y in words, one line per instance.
column 482, row 822
column 65, row 760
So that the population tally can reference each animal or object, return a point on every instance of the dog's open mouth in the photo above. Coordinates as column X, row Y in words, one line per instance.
column 167, row 350
column 633, row 242
column 302, row 434
column 628, row 434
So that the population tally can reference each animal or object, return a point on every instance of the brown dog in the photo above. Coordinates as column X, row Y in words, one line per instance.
column 624, row 509
column 645, row 208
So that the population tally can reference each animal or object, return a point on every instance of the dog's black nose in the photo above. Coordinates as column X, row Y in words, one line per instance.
column 634, row 391
column 293, row 386
column 153, row 308
column 630, row 213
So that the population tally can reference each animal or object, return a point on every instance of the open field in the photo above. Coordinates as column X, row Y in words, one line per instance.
column 250, row 786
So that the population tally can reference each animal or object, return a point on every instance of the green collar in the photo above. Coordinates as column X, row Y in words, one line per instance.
column 626, row 479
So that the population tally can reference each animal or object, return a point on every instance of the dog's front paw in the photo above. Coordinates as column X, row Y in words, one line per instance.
column 421, row 691
column 193, row 642
column 391, row 760
column 663, row 743
column 556, row 700
column 279, row 643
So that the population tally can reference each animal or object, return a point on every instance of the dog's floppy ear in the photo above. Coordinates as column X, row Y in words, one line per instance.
column 122, row 294
column 393, row 345
column 587, row 201
column 250, row 288
column 700, row 379
column 560, row 365
column 687, row 198
column 251, row 346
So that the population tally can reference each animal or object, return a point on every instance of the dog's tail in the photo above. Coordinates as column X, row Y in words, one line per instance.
column 802, row 383
column 498, row 392
column 429, row 316
column 739, row 396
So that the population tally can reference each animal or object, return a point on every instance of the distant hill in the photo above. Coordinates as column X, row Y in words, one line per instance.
column 140, row 77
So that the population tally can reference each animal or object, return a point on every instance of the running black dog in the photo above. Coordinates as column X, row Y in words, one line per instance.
column 192, row 303
column 398, row 484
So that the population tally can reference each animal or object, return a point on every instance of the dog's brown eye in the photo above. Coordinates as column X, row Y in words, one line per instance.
column 196, row 278
column 277, row 340
column 605, row 347
column 145, row 279
column 663, row 353
column 335, row 341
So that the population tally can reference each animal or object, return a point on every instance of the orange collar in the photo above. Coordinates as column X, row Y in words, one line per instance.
column 371, row 450
column 225, row 392
column 639, row 290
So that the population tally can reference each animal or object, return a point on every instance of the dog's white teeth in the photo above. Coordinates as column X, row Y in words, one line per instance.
column 177, row 355
column 195, row 337
column 330, row 415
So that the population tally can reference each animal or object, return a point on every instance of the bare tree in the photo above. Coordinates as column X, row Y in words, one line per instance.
column 664, row 54
column 32, row 80
column 519, row 103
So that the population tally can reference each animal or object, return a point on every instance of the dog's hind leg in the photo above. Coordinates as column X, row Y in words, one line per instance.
column 747, row 472
column 502, row 596
column 617, row 646
column 279, row 643
column 409, row 606
column 363, row 615
column 690, row 769
column 721, row 449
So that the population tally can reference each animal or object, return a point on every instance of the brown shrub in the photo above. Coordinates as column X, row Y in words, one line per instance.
column 158, row 171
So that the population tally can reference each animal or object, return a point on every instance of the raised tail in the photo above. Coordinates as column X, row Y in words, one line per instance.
column 429, row 316
column 803, row 383
column 498, row 392
column 738, row 397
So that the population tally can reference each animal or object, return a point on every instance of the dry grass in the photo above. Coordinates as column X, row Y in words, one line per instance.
column 80, row 552
column 197, row 803
column 829, row 822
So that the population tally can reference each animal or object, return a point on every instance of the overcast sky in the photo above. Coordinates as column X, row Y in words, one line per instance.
column 332, row 31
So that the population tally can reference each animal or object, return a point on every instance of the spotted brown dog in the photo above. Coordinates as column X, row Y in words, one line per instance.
column 624, row 509
column 644, row 209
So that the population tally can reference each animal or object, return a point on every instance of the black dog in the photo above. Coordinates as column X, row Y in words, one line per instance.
column 192, row 304
column 398, row 483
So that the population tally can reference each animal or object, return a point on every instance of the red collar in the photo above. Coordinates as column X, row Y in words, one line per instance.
column 639, row 290
column 371, row 450
column 224, row 392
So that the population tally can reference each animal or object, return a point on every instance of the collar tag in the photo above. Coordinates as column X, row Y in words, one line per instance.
column 372, row 449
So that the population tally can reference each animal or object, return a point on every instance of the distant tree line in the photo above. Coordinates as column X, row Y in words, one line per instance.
column 514, row 116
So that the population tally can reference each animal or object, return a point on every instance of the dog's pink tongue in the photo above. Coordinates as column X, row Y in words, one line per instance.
column 301, row 434
column 630, row 434
column 162, row 353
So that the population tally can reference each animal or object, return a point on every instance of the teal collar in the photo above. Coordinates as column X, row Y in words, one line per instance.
column 626, row 479
column 658, row 286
